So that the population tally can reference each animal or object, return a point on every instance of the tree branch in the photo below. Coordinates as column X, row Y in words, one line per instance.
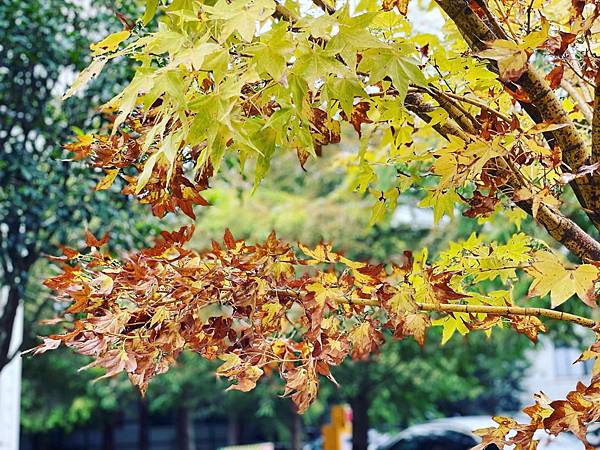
column 544, row 106
column 460, row 115
column 7, row 322
column 565, row 231
column 491, row 22
column 596, row 125
column 281, row 12
column 480, row 105
column 561, row 228
column 415, row 104
column 324, row 6
column 471, row 309
column 578, row 98
column 494, row 310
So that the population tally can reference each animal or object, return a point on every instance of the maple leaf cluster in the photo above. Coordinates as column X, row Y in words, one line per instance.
column 164, row 184
column 259, row 308
column 575, row 414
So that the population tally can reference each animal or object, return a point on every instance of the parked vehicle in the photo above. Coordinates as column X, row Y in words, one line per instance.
column 376, row 439
column 456, row 433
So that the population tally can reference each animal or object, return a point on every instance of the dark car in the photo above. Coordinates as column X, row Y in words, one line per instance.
column 456, row 434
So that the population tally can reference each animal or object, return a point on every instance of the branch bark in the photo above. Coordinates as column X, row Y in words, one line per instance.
column 544, row 105
column 7, row 322
column 326, row 7
column 561, row 228
column 360, row 404
column 473, row 309
column 494, row 310
column 578, row 98
column 415, row 104
column 565, row 231
column 596, row 125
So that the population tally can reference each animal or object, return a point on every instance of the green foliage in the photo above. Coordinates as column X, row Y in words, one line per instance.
column 47, row 200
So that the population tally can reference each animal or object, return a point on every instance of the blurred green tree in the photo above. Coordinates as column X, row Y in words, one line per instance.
column 44, row 198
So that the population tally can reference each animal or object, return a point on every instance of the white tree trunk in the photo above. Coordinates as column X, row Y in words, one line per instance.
column 10, row 386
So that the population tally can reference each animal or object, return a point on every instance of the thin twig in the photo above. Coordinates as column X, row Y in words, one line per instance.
column 324, row 6
column 581, row 103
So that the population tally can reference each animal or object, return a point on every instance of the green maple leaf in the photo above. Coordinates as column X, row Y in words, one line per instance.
column 241, row 16
column 314, row 63
column 402, row 70
column 345, row 90
column 353, row 36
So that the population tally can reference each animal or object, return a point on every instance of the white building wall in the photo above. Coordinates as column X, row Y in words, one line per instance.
column 553, row 371
column 10, row 387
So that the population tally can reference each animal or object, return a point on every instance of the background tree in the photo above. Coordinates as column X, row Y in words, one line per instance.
column 44, row 199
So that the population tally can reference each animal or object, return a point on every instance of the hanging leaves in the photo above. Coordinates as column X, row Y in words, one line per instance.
column 235, row 303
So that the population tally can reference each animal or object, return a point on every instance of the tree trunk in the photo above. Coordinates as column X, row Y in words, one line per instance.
column 361, row 404
column 8, row 312
column 233, row 429
column 296, row 429
column 360, row 421
column 108, row 434
column 185, row 429
column 39, row 441
column 143, row 419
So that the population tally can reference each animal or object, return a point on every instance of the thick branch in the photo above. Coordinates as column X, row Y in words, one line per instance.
column 561, row 228
column 415, row 104
column 7, row 323
column 491, row 22
column 480, row 105
column 596, row 125
column 281, row 12
column 544, row 105
column 578, row 98
column 565, row 231
column 324, row 6
column 460, row 115
column 494, row 310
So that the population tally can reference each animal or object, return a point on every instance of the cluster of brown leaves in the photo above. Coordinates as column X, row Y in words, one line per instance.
column 260, row 308
column 168, row 186
column 575, row 414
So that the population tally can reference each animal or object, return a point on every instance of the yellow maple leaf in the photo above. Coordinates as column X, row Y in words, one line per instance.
column 550, row 276
column 108, row 180
column 110, row 43
column 441, row 202
column 511, row 58
column 451, row 324
column 416, row 325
